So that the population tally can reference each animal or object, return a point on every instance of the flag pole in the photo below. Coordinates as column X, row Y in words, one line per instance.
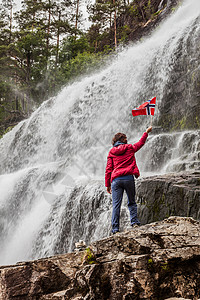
column 151, row 120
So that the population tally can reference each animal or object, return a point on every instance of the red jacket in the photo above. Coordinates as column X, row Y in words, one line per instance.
column 121, row 160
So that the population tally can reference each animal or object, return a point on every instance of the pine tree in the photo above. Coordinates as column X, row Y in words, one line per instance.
column 10, row 110
column 104, row 30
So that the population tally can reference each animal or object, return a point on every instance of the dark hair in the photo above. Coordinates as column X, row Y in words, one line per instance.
column 118, row 137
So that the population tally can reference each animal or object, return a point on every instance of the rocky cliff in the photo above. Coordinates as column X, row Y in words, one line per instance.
column 162, row 196
column 154, row 261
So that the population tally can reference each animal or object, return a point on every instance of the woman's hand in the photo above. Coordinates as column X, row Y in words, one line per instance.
column 149, row 129
column 109, row 189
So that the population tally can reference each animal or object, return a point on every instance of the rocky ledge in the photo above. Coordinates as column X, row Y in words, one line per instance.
column 176, row 194
column 154, row 261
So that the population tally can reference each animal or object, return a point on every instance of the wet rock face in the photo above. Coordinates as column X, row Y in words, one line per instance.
column 159, row 197
column 183, row 83
column 155, row 261
column 86, row 214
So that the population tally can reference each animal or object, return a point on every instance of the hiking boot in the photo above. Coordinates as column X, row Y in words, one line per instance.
column 135, row 225
column 115, row 232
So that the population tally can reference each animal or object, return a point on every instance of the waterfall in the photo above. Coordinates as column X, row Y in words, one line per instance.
column 52, row 165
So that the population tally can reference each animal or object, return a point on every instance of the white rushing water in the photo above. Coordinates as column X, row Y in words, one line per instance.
column 52, row 165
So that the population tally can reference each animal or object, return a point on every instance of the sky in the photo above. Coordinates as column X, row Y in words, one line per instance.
column 18, row 4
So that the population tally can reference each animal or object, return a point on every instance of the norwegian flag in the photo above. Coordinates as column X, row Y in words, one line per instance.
column 146, row 108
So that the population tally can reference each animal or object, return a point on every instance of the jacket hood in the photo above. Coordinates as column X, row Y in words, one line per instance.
column 119, row 148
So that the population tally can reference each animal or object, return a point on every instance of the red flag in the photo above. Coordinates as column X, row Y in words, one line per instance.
column 146, row 108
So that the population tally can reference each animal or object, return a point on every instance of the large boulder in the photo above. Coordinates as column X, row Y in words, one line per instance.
column 166, row 195
column 155, row 261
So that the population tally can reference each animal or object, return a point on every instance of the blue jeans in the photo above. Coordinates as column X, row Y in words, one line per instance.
column 118, row 186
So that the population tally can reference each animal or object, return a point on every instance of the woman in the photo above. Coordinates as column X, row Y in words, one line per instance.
column 119, row 176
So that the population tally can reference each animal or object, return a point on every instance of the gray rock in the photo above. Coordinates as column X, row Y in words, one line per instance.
column 166, row 195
